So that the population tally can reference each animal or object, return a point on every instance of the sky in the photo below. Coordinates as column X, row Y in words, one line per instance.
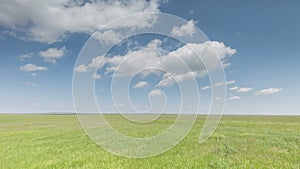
column 257, row 42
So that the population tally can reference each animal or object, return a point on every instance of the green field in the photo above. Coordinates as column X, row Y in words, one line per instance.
column 57, row 141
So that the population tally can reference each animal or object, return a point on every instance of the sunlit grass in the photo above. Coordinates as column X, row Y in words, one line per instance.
column 57, row 141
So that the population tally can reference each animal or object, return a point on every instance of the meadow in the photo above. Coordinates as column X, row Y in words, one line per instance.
column 57, row 141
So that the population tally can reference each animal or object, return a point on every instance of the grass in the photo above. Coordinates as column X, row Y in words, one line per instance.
column 57, row 141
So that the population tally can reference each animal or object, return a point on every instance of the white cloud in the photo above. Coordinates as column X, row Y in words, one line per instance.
column 51, row 54
column 25, row 56
column 234, row 88
column 108, row 36
column 234, row 98
column 155, row 92
column 268, row 91
column 224, row 83
column 205, row 87
column 81, row 68
column 51, row 21
column 184, row 30
column 244, row 89
column 29, row 84
column 182, row 63
column 32, row 67
column 169, row 80
column 140, row 84
column 33, row 74
column 229, row 82
column 96, row 62
column 226, row 63
column 154, row 44
column 97, row 76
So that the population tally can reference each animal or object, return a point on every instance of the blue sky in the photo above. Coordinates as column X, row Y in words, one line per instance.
column 262, row 75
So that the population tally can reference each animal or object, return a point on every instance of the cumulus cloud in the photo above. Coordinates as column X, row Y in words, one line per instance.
column 182, row 63
column 234, row 98
column 268, row 91
column 96, row 76
column 25, row 56
column 169, row 80
column 81, row 68
column 244, row 89
column 97, row 62
column 29, row 84
column 205, row 88
column 32, row 68
column 51, row 21
column 234, row 88
column 51, row 54
column 33, row 74
column 140, row 84
column 155, row 92
column 224, row 83
column 108, row 37
column 184, row 30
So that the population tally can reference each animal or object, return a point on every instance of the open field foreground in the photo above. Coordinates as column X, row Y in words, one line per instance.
column 57, row 141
